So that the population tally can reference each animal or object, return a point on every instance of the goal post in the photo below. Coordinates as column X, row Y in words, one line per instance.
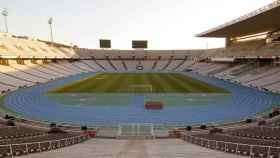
column 143, row 88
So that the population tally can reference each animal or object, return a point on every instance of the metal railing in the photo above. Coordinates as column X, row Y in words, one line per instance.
column 268, row 151
column 11, row 150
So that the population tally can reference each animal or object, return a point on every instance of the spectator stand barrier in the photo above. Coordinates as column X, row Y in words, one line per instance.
column 237, row 148
column 11, row 150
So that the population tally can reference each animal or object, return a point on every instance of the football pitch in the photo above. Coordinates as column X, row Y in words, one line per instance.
column 138, row 83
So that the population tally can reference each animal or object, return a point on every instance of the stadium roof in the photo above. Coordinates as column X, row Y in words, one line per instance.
column 262, row 20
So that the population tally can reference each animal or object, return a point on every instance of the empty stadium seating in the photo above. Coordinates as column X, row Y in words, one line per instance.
column 24, row 47
column 57, row 64
column 21, row 140
column 26, row 74
column 254, row 141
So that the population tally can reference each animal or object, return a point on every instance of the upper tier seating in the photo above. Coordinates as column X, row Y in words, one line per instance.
column 12, row 46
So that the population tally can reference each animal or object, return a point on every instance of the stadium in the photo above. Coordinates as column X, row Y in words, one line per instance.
column 60, row 100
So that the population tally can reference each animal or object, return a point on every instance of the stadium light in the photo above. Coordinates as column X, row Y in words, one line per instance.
column 5, row 15
column 50, row 22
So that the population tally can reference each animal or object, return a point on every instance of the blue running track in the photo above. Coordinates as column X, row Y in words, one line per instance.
column 244, row 102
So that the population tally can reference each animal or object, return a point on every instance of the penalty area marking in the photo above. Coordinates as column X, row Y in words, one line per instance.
column 100, row 78
column 134, row 86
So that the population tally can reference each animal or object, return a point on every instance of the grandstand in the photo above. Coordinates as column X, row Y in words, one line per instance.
column 220, row 102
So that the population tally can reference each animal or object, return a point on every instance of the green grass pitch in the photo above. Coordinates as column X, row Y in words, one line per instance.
column 138, row 83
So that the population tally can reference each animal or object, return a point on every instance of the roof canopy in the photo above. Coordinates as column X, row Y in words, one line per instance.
column 262, row 20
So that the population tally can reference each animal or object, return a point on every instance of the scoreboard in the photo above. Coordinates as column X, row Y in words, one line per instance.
column 104, row 43
column 139, row 44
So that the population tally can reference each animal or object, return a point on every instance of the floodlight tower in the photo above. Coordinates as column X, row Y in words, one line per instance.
column 5, row 15
column 51, row 28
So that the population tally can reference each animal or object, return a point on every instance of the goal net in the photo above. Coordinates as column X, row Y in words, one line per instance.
column 141, row 88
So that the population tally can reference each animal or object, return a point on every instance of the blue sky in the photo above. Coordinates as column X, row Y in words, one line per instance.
column 167, row 24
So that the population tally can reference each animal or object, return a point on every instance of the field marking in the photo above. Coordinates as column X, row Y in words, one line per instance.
column 150, row 86
column 133, row 83
column 101, row 78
